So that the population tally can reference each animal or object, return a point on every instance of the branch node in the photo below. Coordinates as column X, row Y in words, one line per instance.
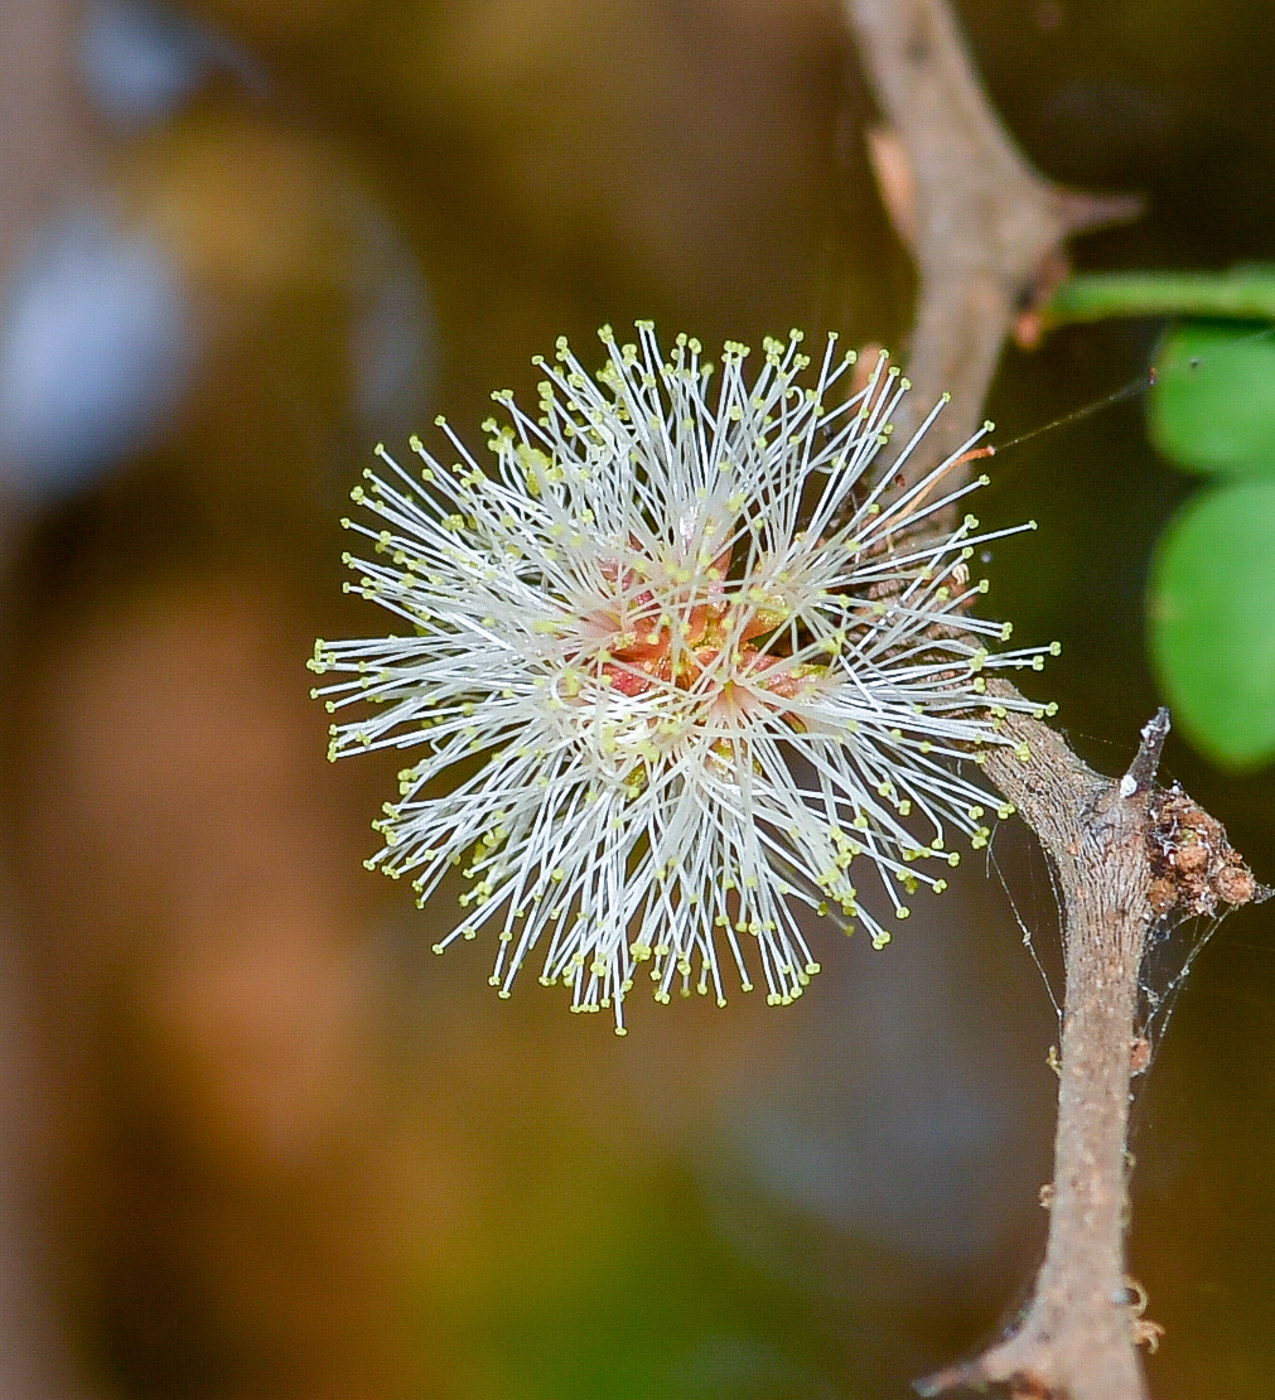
column 1193, row 867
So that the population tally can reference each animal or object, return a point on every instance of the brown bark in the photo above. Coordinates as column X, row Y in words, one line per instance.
column 987, row 232
column 1077, row 1337
column 988, row 235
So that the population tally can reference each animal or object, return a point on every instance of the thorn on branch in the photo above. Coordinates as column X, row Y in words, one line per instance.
column 888, row 157
column 1146, row 762
column 1079, row 211
column 977, row 1375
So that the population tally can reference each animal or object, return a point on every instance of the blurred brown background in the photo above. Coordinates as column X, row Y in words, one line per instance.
column 257, row 1143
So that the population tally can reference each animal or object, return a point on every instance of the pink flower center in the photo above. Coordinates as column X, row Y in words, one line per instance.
column 661, row 634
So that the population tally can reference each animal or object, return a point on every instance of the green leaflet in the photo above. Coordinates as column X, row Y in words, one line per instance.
column 1211, row 604
column 1212, row 408
column 1212, row 621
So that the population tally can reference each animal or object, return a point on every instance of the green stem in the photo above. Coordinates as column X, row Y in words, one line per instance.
column 1244, row 294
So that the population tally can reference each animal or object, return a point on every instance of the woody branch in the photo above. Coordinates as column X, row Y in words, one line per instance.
column 989, row 235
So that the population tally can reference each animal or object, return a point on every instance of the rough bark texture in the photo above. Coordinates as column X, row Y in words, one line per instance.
column 988, row 235
column 987, row 232
column 1077, row 1337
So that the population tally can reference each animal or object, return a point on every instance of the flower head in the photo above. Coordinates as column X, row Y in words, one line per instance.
column 683, row 664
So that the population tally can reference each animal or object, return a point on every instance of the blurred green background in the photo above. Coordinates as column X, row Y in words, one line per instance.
column 258, row 1143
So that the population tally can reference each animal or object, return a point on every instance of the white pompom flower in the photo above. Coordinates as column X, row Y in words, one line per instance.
column 676, row 667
